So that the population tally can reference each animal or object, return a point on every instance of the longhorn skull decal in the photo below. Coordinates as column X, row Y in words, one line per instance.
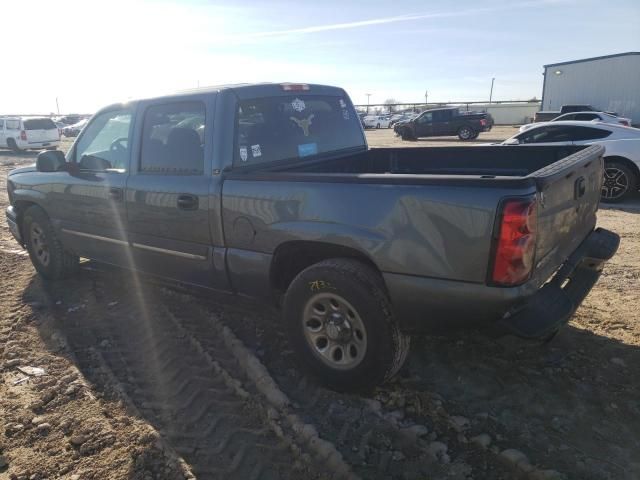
column 304, row 123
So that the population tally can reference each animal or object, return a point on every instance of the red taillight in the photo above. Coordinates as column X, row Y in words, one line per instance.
column 516, row 242
column 23, row 135
column 483, row 122
column 294, row 87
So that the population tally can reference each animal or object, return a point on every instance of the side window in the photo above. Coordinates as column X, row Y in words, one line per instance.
column 588, row 133
column 426, row 118
column 105, row 142
column 569, row 116
column 546, row 134
column 586, row 116
column 173, row 139
column 1, row 124
column 13, row 124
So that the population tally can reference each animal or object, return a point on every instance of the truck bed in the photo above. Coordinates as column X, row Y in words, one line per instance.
column 480, row 162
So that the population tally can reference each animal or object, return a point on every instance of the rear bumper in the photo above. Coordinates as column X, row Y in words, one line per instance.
column 426, row 304
column 37, row 145
column 12, row 223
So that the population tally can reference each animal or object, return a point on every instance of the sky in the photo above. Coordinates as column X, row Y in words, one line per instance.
column 87, row 53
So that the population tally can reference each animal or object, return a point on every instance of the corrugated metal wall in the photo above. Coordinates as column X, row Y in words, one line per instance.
column 612, row 84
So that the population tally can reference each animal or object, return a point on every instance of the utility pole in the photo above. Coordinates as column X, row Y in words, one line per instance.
column 491, row 91
column 368, row 95
column 426, row 97
column 57, row 106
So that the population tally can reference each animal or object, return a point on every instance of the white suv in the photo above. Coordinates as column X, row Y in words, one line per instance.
column 26, row 133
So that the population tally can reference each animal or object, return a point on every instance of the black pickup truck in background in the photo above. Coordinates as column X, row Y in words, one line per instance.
column 547, row 116
column 444, row 122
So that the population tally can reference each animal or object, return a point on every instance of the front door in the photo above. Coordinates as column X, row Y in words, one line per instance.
column 89, row 201
column 168, row 197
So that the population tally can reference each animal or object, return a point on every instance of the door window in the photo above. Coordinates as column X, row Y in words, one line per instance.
column 586, row 116
column 426, row 118
column 105, row 142
column 588, row 133
column 546, row 134
column 173, row 139
column 13, row 124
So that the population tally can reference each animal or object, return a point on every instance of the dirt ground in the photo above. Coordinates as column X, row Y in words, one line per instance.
column 143, row 380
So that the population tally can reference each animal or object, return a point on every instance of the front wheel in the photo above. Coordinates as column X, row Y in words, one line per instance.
column 45, row 249
column 466, row 133
column 618, row 183
column 340, row 323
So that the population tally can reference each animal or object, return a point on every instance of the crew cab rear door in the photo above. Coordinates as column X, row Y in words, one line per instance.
column 442, row 122
column 568, row 198
column 167, row 195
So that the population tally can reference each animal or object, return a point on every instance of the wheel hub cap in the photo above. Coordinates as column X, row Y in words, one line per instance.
column 615, row 183
column 334, row 331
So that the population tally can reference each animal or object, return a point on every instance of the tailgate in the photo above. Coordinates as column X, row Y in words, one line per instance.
column 569, row 195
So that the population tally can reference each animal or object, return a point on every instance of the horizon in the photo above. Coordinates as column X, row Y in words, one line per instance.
column 104, row 56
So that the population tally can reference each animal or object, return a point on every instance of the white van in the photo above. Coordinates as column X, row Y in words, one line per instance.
column 27, row 133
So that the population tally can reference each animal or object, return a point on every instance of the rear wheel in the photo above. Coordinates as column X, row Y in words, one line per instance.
column 45, row 249
column 339, row 321
column 377, row 125
column 466, row 133
column 619, row 182
column 11, row 143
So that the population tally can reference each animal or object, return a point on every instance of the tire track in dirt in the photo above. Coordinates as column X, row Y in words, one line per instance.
column 376, row 444
column 220, row 431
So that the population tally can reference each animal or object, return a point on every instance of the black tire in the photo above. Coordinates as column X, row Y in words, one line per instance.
column 384, row 348
column 11, row 143
column 377, row 125
column 466, row 133
column 619, row 182
column 45, row 249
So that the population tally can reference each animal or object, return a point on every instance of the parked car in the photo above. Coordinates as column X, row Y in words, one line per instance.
column 548, row 115
column 376, row 121
column 401, row 117
column 621, row 157
column 284, row 198
column 28, row 133
column 444, row 122
column 586, row 117
column 75, row 129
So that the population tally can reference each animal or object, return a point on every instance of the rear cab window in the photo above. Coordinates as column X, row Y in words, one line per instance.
column 290, row 127
column 39, row 124
column 12, row 124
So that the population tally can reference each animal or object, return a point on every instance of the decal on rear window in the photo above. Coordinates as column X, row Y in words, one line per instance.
column 307, row 149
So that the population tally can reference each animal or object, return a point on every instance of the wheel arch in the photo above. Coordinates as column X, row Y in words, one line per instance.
column 292, row 257
column 627, row 163
column 21, row 206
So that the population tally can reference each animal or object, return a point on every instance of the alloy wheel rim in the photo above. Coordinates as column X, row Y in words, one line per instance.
column 616, row 183
column 465, row 133
column 334, row 331
column 39, row 244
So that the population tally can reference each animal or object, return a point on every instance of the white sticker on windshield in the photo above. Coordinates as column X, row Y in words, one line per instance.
column 298, row 105
column 343, row 104
column 255, row 150
column 304, row 123
column 243, row 154
column 345, row 114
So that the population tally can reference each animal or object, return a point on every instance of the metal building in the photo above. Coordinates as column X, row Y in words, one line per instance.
column 611, row 83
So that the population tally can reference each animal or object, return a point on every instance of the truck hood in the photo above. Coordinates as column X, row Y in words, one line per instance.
column 29, row 168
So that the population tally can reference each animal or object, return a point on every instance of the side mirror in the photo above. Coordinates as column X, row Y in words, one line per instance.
column 50, row 161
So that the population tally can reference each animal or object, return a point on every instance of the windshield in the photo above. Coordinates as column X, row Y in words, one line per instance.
column 281, row 128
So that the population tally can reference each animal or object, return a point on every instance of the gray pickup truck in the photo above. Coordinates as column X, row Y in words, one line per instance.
column 270, row 191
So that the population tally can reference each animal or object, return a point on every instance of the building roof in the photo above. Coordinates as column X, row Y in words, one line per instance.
column 591, row 59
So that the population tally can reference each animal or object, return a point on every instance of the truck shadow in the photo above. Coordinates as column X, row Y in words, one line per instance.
column 571, row 404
